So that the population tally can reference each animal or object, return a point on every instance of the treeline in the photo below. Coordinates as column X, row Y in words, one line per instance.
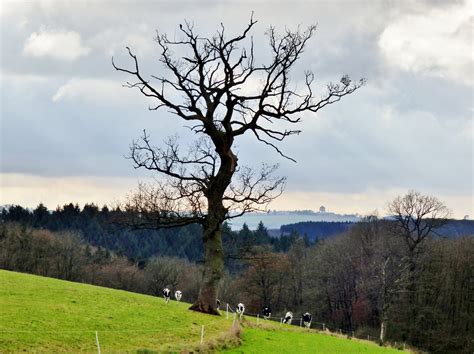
column 100, row 227
column 64, row 255
column 317, row 230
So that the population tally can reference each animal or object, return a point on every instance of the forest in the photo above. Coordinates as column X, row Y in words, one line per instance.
column 365, row 280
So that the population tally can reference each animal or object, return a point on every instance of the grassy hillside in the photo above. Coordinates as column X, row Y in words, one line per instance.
column 256, row 340
column 48, row 315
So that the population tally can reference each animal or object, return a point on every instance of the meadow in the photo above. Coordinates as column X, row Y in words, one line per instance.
column 39, row 314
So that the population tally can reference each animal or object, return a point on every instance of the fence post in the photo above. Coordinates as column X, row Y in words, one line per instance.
column 97, row 341
column 202, row 334
column 258, row 319
column 301, row 321
column 324, row 327
column 227, row 312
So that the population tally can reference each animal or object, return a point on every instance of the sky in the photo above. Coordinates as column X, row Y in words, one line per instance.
column 67, row 122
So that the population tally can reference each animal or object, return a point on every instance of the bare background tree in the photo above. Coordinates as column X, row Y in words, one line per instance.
column 417, row 218
column 225, row 94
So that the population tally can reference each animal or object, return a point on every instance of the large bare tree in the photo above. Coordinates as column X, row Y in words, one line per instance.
column 221, row 93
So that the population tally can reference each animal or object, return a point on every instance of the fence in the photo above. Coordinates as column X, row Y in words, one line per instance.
column 298, row 321
column 96, row 336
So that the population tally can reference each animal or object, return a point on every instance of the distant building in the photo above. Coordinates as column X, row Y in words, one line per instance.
column 322, row 209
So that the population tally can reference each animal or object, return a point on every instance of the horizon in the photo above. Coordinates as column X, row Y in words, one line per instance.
column 378, row 208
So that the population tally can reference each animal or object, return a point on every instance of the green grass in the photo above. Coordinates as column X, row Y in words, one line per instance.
column 49, row 315
column 278, row 341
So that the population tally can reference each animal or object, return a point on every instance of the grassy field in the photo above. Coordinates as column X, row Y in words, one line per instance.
column 255, row 340
column 44, row 314
column 48, row 315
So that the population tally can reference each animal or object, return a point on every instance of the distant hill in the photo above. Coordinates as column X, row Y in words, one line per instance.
column 275, row 219
column 457, row 228
column 319, row 230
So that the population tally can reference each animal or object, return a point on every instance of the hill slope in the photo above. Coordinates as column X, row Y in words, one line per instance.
column 49, row 315
column 45, row 314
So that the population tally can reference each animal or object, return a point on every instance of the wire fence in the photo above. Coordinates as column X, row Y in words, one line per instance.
column 96, row 340
column 315, row 325
column 199, row 330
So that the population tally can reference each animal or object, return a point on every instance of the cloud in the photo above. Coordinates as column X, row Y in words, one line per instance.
column 405, row 129
column 435, row 43
column 91, row 90
column 56, row 44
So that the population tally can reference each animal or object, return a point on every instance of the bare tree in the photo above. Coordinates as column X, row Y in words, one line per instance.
column 417, row 216
column 224, row 95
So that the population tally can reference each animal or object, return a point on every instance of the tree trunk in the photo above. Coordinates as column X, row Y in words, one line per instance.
column 213, row 269
column 386, row 302
column 383, row 330
column 212, row 238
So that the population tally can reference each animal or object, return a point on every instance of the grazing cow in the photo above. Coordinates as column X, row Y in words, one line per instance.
column 178, row 294
column 288, row 317
column 166, row 294
column 240, row 309
column 218, row 304
column 307, row 319
column 267, row 312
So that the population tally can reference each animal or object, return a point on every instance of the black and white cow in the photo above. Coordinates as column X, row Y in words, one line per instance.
column 178, row 294
column 218, row 304
column 240, row 309
column 267, row 312
column 166, row 294
column 288, row 317
column 307, row 319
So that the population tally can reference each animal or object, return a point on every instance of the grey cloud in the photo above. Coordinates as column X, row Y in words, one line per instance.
column 400, row 131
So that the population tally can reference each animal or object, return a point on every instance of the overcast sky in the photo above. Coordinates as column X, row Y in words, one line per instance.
column 66, row 121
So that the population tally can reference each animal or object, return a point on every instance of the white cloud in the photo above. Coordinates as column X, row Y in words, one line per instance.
column 114, row 40
column 89, row 89
column 436, row 43
column 56, row 44
column 100, row 91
